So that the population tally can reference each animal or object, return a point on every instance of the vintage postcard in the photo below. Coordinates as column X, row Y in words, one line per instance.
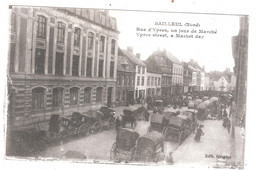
column 126, row 87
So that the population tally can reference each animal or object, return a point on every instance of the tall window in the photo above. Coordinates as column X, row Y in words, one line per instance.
column 75, row 66
column 102, row 44
column 99, row 94
column 113, row 47
column 143, row 70
column 152, row 81
column 61, row 32
column 41, row 29
column 39, row 61
column 159, row 81
column 87, row 95
column 142, row 80
column 74, row 95
column 139, row 70
column 59, row 64
column 148, row 80
column 123, row 80
column 138, row 80
column 100, row 68
column 156, row 81
column 89, row 67
column 112, row 69
column 38, row 98
column 90, row 40
column 77, row 37
column 57, row 97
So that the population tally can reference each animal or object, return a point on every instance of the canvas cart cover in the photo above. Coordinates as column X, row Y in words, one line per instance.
column 126, row 139
column 94, row 114
column 167, row 115
column 191, row 104
column 157, row 118
column 176, row 121
column 151, row 139
column 188, row 114
column 213, row 99
column 203, row 105
column 197, row 102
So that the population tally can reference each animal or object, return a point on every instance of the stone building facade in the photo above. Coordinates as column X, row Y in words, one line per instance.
column 60, row 60
column 125, row 87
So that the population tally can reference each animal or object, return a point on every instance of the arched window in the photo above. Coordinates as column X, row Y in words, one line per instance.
column 77, row 37
column 99, row 94
column 90, row 40
column 57, row 97
column 74, row 95
column 61, row 32
column 41, row 29
column 87, row 95
column 113, row 47
column 38, row 98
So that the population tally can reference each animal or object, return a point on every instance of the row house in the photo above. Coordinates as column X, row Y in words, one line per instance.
column 154, row 78
column 125, row 81
column 187, row 78
column 165, row 66
column 140, row 73
column 60, row 60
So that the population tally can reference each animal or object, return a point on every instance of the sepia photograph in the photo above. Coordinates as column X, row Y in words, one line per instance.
column 126, row 87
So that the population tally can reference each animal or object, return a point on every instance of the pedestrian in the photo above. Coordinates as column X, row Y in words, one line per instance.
column 228, row 124
column 117, row 123
column 198, row 133
column 224, row 113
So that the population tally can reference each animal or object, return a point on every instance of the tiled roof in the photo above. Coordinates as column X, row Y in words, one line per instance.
column 152, row 67
column 123, row 59
column 133, row 58
column 169, row 55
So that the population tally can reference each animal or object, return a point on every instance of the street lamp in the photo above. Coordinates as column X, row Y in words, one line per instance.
column 125, row 64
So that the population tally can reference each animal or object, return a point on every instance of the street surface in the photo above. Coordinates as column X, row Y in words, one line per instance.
column 97, row 146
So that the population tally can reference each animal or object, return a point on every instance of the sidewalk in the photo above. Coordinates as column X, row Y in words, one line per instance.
column 213, row 150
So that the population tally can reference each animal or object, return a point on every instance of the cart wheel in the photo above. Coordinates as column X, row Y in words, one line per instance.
column 163, row 131
column 159, row 154
column 132, row 152
column 181, row 136
column 166, row 132
column 82, row 130
column 113, row 152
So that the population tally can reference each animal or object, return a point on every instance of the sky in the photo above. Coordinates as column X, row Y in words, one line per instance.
column 214, row 51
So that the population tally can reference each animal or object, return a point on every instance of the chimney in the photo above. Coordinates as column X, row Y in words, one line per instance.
column 130, row 49
column 138, row 55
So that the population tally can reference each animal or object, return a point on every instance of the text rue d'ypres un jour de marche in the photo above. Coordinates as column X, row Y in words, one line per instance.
column 174, row 30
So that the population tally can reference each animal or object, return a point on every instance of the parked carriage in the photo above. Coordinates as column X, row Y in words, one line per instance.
column 150, row 147
column 94, row 121
column 125, row 144
column 159, row 104
column 61, row 127
column 177, row 127
column 108, row 116
column 191, row 118
column 129, row 117
column 158, row 122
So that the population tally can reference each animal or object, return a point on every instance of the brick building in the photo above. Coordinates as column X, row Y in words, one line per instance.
column 60, row 60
